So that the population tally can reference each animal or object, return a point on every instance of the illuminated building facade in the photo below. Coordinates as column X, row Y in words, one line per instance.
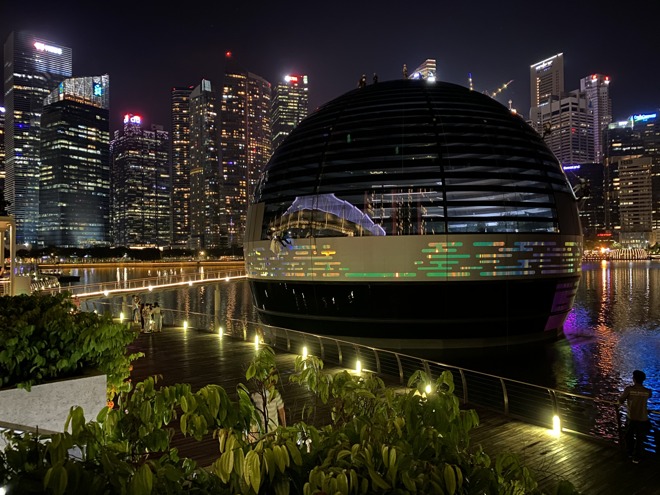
column 33, row 68
column 636, row 138
column 635, row 202
column 592, row 207
column 427, row 70
column 289, row 106
column 74, row 183
column 245, row 144
column 456, row 222
column 180, row 144
column 206, row 205
column 141, row 185
column 597, row 89
column 566, row 124
column 2, row 158
column 546, row 78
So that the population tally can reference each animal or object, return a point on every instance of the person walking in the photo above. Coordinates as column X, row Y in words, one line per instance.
column 637, row 421
column 157, row 316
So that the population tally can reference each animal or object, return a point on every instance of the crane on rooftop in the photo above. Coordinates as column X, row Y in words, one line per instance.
column 491, row 94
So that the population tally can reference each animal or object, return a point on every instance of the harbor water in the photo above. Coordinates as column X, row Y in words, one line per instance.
column 613, row 328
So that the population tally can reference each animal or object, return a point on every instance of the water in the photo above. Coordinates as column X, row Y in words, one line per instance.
column 613, row 329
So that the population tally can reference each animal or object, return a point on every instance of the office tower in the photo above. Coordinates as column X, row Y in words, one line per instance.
column 636, row 137
column 546, row 78
column 597, row 89
column 289, row 106
column 635, row 202
column 245, row 144
column 2, row 162
column 141, row 185
column 180, row 144
column 206, row 205
column 33, row 67
column 589, row 177
column 565, row 122
column 74, row 183
column 427, row 70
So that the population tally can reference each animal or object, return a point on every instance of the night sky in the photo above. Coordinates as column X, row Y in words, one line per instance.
column 149, row 47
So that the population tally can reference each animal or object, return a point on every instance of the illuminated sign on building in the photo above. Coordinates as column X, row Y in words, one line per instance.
column 571, row 167
column 97, row 88
column 42, row 47
column 133, row 119
column 643, row 117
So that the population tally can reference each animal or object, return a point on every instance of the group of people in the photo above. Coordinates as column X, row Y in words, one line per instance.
column 149, row 316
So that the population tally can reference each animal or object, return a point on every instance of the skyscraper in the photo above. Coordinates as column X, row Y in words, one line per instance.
column 289, row 106
column 566, row 124
column 427, row 70
column 141, row 185
column 74, row 184
column 180, row 144
column 206, row 206
column 2, row 159
column 245, row 143
column 33, row 68
column 546, row 78
column 597, row 89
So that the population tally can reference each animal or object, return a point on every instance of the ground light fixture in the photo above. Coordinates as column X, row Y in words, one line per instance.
column 358, row 366
column 304, row 352
column 556, row 425
column 185, row 325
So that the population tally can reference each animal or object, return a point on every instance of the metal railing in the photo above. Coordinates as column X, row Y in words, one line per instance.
column 168, row 281
column 534, row 404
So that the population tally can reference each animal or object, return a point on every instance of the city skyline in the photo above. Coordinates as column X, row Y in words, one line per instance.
column 149, row 52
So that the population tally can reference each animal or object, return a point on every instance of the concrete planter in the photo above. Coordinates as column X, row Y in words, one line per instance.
column 47, row 406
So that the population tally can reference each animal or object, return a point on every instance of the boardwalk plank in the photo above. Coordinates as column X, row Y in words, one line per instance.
column 200, row 358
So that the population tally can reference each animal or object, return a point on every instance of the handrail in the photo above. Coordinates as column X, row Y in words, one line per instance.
column 535, row 404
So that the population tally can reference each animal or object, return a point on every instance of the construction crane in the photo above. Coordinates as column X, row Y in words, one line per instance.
column 498, row 90
column 494, row 93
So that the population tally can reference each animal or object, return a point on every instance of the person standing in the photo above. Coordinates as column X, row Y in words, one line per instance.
column 157, row 316
column 271, row 415
column 637, row 422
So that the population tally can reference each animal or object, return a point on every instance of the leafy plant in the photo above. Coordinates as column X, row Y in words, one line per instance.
column 379, row 440
column 44, row 337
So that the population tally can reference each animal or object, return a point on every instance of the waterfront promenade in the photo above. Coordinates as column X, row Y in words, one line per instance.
column 200, row 358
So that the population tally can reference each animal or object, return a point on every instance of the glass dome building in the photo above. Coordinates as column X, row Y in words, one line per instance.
column 415, row 211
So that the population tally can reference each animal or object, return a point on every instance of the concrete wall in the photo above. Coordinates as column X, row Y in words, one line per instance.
column 47, row 406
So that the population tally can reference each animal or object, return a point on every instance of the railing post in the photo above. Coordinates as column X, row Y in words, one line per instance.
column 398, row 362
column 505, row 397
column 216, row 307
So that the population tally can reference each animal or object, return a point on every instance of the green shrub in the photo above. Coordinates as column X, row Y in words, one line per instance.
column 44, row 337
column 379, row 440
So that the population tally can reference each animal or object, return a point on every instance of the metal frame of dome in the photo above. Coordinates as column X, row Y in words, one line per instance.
column 482, row 233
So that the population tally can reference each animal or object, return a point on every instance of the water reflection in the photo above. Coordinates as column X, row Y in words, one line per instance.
column 614, row 327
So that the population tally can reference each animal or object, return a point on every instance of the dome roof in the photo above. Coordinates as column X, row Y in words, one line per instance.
column 465, row 158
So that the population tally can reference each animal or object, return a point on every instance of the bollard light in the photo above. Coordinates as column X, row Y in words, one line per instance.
column 304, row 354
column 121, row 317
column 256, row 341
column 185, row 325
column 358, row 366
column 556, row 425
column 220, row 331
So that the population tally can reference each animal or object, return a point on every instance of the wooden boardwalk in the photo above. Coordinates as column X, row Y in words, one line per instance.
column 200, row 358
